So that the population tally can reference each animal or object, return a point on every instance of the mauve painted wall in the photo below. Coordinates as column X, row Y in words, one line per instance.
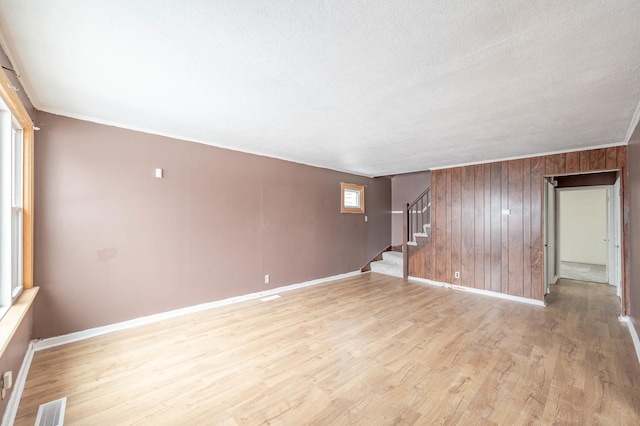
column 14, row 354
column 633, row 159
column 405, row 189
column 114, row 243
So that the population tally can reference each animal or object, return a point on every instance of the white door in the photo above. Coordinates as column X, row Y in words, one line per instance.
column 615, row 246
column 549, row 233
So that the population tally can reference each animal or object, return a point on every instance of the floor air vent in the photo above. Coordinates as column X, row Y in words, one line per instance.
column 51, row 413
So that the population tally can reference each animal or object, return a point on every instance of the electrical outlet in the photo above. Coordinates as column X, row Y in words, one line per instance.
column 7, row 380
column 457, row 274
column 267, row 279
column 5, row 383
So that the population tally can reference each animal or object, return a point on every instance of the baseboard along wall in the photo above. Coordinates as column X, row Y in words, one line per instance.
column 479, row 291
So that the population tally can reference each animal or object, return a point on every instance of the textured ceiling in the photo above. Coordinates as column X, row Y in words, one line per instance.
column 371, row 87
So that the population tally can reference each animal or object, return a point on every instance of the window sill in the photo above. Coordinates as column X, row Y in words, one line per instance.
column 13, row 318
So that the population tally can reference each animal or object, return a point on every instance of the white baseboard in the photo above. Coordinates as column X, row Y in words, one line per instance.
column 479, row 291
column 98, row 331
column 633, row 332
column 14, row 401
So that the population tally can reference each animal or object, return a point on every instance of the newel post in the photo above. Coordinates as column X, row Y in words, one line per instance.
column 405, row 239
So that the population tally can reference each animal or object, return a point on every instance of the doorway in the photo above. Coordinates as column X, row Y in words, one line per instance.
column 582, row 229
column 583, row 252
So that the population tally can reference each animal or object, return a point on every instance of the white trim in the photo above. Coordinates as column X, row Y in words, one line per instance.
column 634, row 123
column 21, row 380
column 397, row 211
column 633, row 332
column 98, row 331
column 270, row 298
column 426, row 281
column 479, row 291
column 541, row 154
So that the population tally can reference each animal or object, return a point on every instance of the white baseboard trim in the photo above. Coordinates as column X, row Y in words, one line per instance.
column 14, row 401
column 98, row 331
column 633, row 332
column 479, row 291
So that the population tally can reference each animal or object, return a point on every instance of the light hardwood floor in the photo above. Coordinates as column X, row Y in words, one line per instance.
column 368, row 350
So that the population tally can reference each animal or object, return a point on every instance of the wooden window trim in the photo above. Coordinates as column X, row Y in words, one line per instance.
column 13, row 102
column 351, row 187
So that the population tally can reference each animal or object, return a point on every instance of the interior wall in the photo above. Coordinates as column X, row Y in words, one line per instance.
column 498, row 251
column 583, row 225
column 115, row 243
column 13, row 354
column 405, row 189
column 634, row 227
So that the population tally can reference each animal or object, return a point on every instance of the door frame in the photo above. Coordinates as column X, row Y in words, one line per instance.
column 607, row 189
column 548, row 240
column 614, row 235
column 619, row 227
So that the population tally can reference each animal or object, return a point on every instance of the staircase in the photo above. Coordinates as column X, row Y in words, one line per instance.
column 418, row 235
column 417, row 228
column 391, row 264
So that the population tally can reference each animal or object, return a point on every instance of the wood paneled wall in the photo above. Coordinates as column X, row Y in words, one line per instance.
column 494, row 251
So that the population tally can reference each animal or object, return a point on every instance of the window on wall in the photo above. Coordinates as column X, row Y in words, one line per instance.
column 16, row 209
column 11, row 212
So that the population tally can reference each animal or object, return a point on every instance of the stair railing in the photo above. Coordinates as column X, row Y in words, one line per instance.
column 416, row 215
column 419, row 214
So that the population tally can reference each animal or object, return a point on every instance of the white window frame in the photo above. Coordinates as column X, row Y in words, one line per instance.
column 11, row 208
column 17, row 158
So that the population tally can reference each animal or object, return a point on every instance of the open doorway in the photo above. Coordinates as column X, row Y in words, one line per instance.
column 582, row 229
column 583, row 252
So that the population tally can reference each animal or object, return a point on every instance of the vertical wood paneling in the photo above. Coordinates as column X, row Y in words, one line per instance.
column 573, row 162
column 467, row 259
column 421, row 263
column 626, row 250
column 487, row 227
column 555, row 164
column 611, row 157
column 503, row 253
column 597, row 159
column 515, row 230
column 447, row 248
column 456, row 223
column 526, row 226
column 478, row 213
column 622, row 157
column 584, row 161
column 504, row 228
column 438, row 224
column 537, row 251
column 496, row 218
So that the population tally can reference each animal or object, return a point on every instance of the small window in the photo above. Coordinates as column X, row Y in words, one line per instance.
column 352, row 198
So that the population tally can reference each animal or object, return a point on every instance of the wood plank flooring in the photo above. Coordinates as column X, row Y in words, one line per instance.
column 369, row 350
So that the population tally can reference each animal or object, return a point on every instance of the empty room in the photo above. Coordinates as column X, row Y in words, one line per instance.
column 319, row 212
